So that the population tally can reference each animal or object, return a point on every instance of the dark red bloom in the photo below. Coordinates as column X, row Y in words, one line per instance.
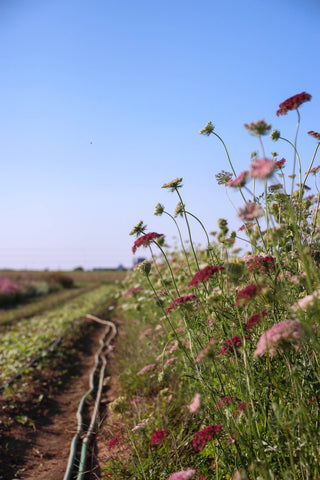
column 158, row 436
column 145, row 240
column 114, row 441
column 179, row 300
column 132, row 291
column 260, row 264
column 204, row 274
column 314, row 134
column 231, row 344
column 247, row 293
column 280, row 163
column 205, row 435
column 255, row 319
column 226, row 401
column 293, row 103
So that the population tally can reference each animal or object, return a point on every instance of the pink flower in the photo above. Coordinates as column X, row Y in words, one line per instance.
column 132, row 291
column 205, row 435
column 204, row 274
column 314, row 134
column 7, row 286
column 247, row 293
column 182, row 475
column 250, row 211
column 226, row 401
column 239, row 181
column 145, row 240
column 144, row 333
column 147, row 368
column 179, row 300
column 195, row 404
column 305, row 302
column 293, row 103
column 232, row 344
column 158, row 436
column 259, row 263
column 170, row 361
column 255, row 319
column 262, row 168
column 204, row 350
column 283, row 334
column 114, row 441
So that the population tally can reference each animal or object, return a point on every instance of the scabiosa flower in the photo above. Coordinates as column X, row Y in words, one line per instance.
column 170, row 361
column 260, row 263
column 205, row 435
column 275, row 135
column 231, row 344
column 158, row 436
column 204, row 274
column 147, row 368
column 280, row 163
column 182, row 475
column 114, row 441
column 195, row 404
column 239, row 181
column 179, row 300
column 228, row 400
column 293, row 103
column 247, row 293
column 145, row 240
column 283, row 334
column 315, row 135
column 223, row 177
column 309, row 300
column 139, row 229
column 208, row 129
column 257, row 128
column 159, row 209
column 313, row 170
column 174, row 184
column 250, row 211
column 255, row 319
column 132, row 291
column 261, row 169
column 179, row 210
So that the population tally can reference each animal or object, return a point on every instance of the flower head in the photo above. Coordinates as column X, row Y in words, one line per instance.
column 255, row 319
column 262, row 168
column 205, row 435
column 147, row 368
column 132, row 291
column 179, row 300
column 275, row 135
column 223, row 177
column 179, row 210
column 144, row 267
column 204, row 274
column 250, row 211
column 182, row 475
column 283, row 334
column 114, row 441
column 239, row 181
column 280, row 163
column 139, row 229
column 158, row 436
column 258, row 128
column 208, row 129
column 247, row 293
column 145, row 240
column 159, row 209
column 293, row 103
column 195, row 404
column 174, row 184
column 315, row 135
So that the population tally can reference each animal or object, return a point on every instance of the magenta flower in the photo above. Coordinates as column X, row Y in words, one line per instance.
column 283, row 334
column 293, row 103
column 228, row 400
column 132, row 291
column 262, row 168
column 255, row 319
column 247, row 293
column 204, row 274
column 144, row 333
column 205, row 435
column 232, row 344
column 280, row 163
column 114, row 441
column 182, row 475
column 145, row 240
column 158, row 436
column 7, row 286
column 170, row 361
column 179, row 300
column 250, row 211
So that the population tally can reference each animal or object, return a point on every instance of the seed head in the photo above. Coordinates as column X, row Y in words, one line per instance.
column 159, row 209
column 139, row 229
column 144, row 267
column 179, row 210
column 208, row 129
column 275, row 135
column 257, row 128
column 174, row 184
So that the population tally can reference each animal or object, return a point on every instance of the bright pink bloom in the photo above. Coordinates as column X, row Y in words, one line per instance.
column 283, row 334
column 182, row 475
column 205, row 435
column 179, row 300
column 204, row 274
column 195, row 404
column 250, row 211
column 147, row 368
column 132, row 291
column 262, row 168
column 158, row 436
column 145, row 240
column 293, row 103
column 114, row 441
column 7, row 286
column 239, row 181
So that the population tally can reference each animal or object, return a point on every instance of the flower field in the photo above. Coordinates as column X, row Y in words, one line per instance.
column 219, row 365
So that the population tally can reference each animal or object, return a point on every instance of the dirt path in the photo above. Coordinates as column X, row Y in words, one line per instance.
column 38, row 423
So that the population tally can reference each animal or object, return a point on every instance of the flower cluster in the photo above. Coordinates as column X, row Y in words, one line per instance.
column 239, row 181
column 205, row 435
column 7, row 286
column 223, row 177
column 158, row 436
column 247, row 293
column 147, row 368
column 195, row 404
column 259, row 263
column 262, row 168
column 226, row 401
column 250, row 211
column 179, row 300
column 255, row 319
column 114, row 441
column 283, row 334
column 174, row 184
column 293, row 103
column 258, row 128
column 132, row 291
column 204, row 274
column 231, row 344
column 145, row 240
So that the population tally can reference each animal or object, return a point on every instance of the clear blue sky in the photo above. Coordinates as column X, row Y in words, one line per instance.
column 102, row 102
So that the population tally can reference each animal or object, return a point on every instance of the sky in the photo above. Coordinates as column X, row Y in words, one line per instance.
column 102, row 102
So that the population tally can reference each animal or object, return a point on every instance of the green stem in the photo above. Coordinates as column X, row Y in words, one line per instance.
column 169, row 266
column 189, row 231
column 205, row 231
column 181, row 241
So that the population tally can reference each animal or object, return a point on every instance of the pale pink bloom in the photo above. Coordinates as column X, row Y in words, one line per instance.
column 195, row 404
column 169, row 398
column 172, row 348
column 262, row 168
column 158, row 327
column 285, row 333
column 141, row 424
column 182, row 475
column 156, row 335
column 238, row 476
column 144, row 333
column 307, row 301
column 181, row 329
column 147, row 368
column 204, row 350
column 169, row 361
column 250, row 211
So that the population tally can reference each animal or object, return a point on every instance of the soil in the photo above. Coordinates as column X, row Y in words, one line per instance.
column 38, row 414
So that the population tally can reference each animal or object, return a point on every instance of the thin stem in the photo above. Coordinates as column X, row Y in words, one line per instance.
column 169, row 266
column 188, row 226
column 205, row 231
column 181, row 241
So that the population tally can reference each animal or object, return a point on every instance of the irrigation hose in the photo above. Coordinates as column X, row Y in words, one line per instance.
column 100, row 359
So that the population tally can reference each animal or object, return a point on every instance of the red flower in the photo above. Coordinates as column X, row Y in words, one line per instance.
column 145, row 240
column 114, row 441
column 226, row 401
column 314, row 134
column 179, row 300
column 205, row 435
column 204, row 274
column 247, row 293
column 158, row 436
column 293, row 103
column 280, row 163
column 231, row 344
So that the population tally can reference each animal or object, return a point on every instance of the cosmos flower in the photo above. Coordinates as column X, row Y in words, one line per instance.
column 293, row 103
